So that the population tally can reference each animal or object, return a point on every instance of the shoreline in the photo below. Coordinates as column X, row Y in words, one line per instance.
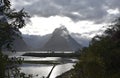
column 67, row 74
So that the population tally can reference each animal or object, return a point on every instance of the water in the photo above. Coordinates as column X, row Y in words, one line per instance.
column 44, row 69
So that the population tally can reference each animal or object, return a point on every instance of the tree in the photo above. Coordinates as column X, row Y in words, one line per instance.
column 10, row 23
column 101, row 58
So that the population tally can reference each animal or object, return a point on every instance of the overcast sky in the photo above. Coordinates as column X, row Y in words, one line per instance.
column 79, row 16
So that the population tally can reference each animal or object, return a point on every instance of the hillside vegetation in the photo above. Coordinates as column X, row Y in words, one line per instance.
column 102, row 58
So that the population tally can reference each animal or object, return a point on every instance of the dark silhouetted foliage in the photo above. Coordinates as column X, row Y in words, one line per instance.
column 102, row 58
column 10, row 23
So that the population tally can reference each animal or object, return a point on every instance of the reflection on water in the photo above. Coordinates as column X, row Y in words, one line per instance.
column 43, row 70
column 61, row 69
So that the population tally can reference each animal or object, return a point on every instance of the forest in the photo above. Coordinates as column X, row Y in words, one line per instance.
column 100, row 60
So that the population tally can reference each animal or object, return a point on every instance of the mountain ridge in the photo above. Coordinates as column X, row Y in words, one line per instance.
column 61, row 41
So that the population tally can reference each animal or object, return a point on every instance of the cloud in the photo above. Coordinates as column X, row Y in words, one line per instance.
column 81, row 39
column 93, row 10
column 42, row 26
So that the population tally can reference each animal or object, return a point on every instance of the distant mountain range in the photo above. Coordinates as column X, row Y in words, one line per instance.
column 36, row 41
column 60, row 39
column 20, row 45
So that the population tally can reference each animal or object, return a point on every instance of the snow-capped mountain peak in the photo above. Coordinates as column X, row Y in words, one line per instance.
column 61, row 31
column 61, row 41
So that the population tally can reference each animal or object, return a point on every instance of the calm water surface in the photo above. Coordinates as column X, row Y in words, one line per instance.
column 44, row 69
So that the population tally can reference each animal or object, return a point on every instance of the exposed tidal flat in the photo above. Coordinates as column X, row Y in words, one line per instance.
column 43, row 65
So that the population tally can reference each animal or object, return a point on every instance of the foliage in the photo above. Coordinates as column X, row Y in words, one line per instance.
column 101, row 58
column 10, row 23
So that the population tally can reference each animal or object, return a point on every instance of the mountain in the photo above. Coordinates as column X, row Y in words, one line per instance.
column 36, row 41
column 61, row 41
column 20, row 45
column 81, row 39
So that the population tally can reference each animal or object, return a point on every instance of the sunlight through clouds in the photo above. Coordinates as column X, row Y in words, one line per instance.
column 42, row 26
column 86, row 17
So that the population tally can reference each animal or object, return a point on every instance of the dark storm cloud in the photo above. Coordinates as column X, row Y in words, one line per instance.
column 93, row 10
column 113, row 4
